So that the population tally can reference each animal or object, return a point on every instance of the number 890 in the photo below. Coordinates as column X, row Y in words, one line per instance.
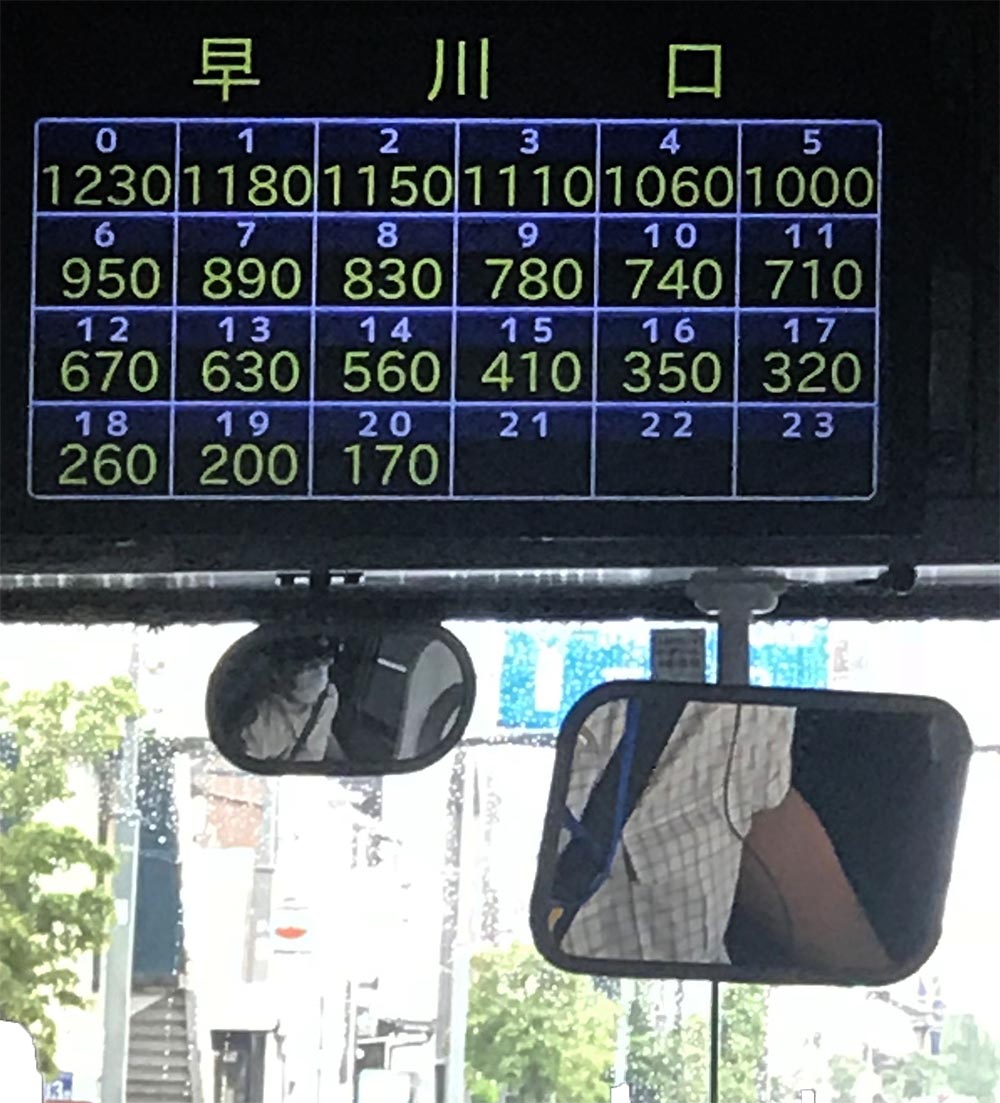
column 251, row 278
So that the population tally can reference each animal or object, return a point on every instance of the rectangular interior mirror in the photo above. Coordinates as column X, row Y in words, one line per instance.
column 748, row 834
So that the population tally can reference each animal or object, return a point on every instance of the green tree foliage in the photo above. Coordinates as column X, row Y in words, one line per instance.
column 666, row 1066
column 742, row 1042
column 916, row 1075
column 974, row 1059
column 844, row 1074
column 781, row 1092
column 44, row 931
column 537, row 1031
column 651, row 1074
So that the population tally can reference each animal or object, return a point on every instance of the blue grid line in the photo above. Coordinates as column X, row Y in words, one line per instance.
column 579, row 498
column 550, row 404
column 606, row 310
column 314, row 245
column 454, row 318
column 29, row 474
column 735, row 456
column 333, row 120
column 175, row 265
column 878, row 311
column 595, row 349
column 456, row 309
column 100, row 213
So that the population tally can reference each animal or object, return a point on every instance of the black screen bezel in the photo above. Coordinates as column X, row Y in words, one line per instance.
column 75, row 536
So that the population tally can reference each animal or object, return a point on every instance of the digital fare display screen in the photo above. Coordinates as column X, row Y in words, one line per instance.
column 447, row 309
column 396, row 285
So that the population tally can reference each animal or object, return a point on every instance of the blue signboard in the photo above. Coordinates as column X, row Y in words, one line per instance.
column 61, row 1087
column 548, row 667
column 159, row 930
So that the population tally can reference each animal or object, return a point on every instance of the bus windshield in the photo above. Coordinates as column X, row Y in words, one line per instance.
column 365, row 940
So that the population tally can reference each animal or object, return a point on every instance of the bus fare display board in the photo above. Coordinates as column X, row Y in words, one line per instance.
column 452, row 309
column 526, row 281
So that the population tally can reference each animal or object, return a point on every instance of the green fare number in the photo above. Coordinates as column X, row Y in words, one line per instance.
column 538, row 278
column 672, row 373
column 575, row 186
column 118, row 186
column 250, row 371
column 251, row 278
column 406, row 184
column 267, row 185
column 417, row 464
column 391, row 371
column 684, row 187
column 819, row 373
column 821, row 186
column 111, row 278
column 249, row 465
column 392, row 278
column 561, row 370
column 845, row 278
column 702, row 277
column 80, row 369
column 108, row 465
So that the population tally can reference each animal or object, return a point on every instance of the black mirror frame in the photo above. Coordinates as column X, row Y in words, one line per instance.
column 285, row 629
column 957, row 744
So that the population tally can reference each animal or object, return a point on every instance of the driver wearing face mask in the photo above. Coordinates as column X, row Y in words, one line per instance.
column 368, row 699
column 296, row 721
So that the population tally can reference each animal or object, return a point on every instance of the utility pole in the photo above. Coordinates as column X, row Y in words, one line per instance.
column 486, row 645
column 118, row 971
column 619, row 1089
column 453, row 990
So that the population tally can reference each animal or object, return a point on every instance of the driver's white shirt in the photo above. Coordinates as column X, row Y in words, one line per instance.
column 684, row 848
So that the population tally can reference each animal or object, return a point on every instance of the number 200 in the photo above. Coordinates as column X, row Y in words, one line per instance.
column 249, row 464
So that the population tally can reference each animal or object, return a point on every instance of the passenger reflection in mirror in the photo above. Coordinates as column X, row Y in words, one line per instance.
column 294, row 719
column 712, row 821
column 364, row 699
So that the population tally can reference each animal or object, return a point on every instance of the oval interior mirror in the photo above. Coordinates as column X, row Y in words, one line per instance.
column 337, row 700
column 749, row 834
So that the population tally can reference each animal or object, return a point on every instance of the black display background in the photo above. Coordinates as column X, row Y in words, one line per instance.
column 547, row 60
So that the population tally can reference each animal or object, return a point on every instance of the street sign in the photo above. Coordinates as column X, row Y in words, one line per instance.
column 291, row 929
column 677, row 654
column 61, row 1088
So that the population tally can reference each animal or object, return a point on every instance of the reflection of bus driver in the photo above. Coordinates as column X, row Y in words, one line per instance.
column 721, row 787
column 296, row 721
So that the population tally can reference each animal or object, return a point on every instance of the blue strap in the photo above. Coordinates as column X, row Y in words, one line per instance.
column 578, row 830
column 629, row 740
column 574, row 826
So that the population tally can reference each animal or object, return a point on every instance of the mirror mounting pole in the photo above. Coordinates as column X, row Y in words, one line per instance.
column 732, row 598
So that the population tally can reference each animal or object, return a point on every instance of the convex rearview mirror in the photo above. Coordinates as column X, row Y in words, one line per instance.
column 749, row 834
column 340, row 699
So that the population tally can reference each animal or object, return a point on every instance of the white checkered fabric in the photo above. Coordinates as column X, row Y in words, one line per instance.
column 684, row 853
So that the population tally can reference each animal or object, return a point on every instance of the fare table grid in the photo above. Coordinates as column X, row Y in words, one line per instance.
column 455, row 309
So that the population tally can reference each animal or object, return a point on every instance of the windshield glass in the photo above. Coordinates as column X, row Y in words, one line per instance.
column 305, row 940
